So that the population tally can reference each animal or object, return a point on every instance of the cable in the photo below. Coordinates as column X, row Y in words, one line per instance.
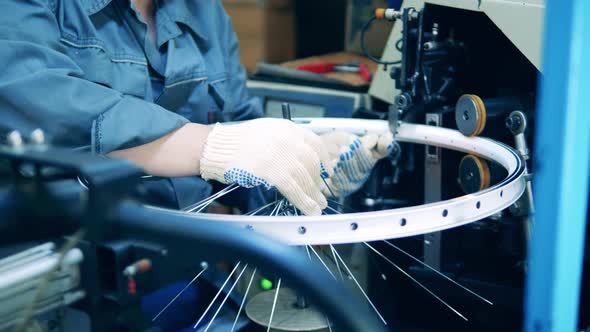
column 398, row 44
column 364, row 46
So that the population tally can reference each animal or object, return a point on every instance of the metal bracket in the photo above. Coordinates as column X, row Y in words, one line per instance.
column 394, row 122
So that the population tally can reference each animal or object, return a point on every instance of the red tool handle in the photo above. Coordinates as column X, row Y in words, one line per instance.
column 318, row 68
column 365, row 73
column 323, row 68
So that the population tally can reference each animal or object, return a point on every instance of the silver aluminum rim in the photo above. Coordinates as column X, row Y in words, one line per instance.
column 394, row 223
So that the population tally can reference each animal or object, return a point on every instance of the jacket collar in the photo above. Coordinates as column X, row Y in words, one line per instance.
column 179, row 11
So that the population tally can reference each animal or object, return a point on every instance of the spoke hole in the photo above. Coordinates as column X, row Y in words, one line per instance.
column 354, row 226
column 403, row 222
column 478, row 205
column 302, row 230
column 249, row 227
column 502, row 193
column 445, row 213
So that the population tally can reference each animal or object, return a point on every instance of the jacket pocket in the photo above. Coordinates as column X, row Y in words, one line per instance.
column 124, row 73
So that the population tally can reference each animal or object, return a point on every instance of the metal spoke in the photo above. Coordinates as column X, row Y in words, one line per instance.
column 243, row 300
column 322, row 261
column 195, row 206
column 278, row 207
column 182, row 291
column 417, row 282
column 260, row 209
column 329, row 189
column 308, row 254
column 336, row 262
column 333, row 209
column 199, row 206
column 206, row 204
column 358, row 285
column 438, row 272
column 226, row 297
column 216, row 295
column 274, row 304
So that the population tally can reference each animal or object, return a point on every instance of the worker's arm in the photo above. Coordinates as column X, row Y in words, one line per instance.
column 176, row 154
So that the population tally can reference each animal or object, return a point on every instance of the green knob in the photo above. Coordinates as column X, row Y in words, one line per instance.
column 265, row 284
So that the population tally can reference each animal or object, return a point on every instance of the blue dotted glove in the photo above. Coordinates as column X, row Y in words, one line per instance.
column 269, row 153
column 353, row 158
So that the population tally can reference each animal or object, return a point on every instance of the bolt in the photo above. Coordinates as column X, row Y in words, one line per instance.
column 37, row 136
column 15, row 139
column 513, row 122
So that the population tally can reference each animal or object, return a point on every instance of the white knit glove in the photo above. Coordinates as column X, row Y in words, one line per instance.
column 352, row 159
column 268, row 152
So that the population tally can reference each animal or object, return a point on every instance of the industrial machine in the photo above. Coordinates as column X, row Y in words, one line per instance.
column 436, row 240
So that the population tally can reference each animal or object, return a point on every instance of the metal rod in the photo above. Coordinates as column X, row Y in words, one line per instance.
column 260, row 209
column 194, row 206
column 286, row 111
column 329, row 189
column 226, row 297
column 358, row 285
column 416, row 281
column 277, row 207
column 208, row 200
column 180, row 293
column 333, row 209
column 301, row 302
column 274, row 304
column 243, row 300
column 322, row 261
column 206, row 204
column 336, row 262
column 329, row 324
column 439, row 273
column 216, row 295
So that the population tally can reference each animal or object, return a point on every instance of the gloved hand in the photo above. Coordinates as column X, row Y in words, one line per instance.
column 268, row 152
column 352, row 159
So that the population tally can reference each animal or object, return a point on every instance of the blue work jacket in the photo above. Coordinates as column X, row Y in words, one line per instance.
column 86, row 72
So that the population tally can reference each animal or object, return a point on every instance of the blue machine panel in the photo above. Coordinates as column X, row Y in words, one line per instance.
column 561, row 170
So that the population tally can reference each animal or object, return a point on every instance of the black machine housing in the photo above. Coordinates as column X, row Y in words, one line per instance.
column 446, row 53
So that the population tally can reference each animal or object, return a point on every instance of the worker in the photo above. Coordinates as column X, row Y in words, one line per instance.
column 139, row 80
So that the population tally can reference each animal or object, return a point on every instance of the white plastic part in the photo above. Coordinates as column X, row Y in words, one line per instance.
column 391, row 14
column 22, row 273
column 395, row 223
column 36, row 269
